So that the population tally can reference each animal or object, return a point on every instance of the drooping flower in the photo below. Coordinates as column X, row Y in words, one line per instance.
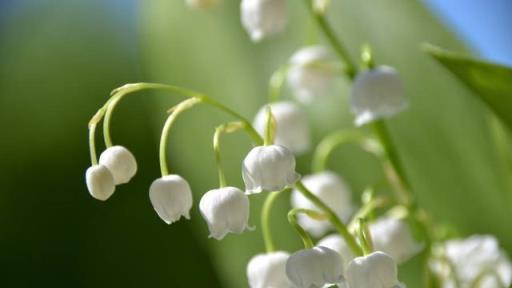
column 171, row 198
column 292, row 129
column 393, row 237
column 270, row 168
column 225, row 210
column 314, row 268
column 268, row 271
column 376, row 270
column 377, row 94
column 478, row 255
column 121, row 163
column 333, row 191
column 100, row 182
column 263, row 18
column 201, row 3
column 312, row 73
column 338, row 244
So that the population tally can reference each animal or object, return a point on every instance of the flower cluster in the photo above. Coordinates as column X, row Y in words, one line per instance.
column 358, row 245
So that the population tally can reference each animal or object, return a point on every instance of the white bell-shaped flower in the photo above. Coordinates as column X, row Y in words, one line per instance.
column 314, row 268
column 263, row 18
column 121, row 163
column 100, row 182
column 312, row 73
column 171, row 198
column 270, row 168
column 333, row 191
column 225, row 210
column 377, row 94
column 201, row 3
column 471, row 257
column 338, row 244
column 292, row 129
column 376, row 270
column 268, row 271
column 393, row 237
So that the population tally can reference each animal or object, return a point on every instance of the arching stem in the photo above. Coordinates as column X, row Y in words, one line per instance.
column 164, row 138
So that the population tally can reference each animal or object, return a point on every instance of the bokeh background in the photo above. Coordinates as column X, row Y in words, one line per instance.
column 60, row 59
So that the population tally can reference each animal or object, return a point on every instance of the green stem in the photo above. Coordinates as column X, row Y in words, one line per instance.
column 265, row 221
column 187, row 104
column 292, row 218
column 333, row 218
column 270, row 128
column 224, row 128
column 92, row 144
column 366, row 210
column 119, row 93
column 365, row 236
column 276, row 83
column 334, row 140
column 338, row 47
column 404, row 188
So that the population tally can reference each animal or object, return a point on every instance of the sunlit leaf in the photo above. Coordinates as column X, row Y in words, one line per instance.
column 492, row 83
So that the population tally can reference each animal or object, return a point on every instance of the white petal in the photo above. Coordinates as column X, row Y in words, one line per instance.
column 474, row 255
column 171, row 198
column 314, row 267
column 292, row 129
column 263, row 18
column 121, row 163
column 225, row 210
column 377, row 94
column 268, row 271
column 376, row 270
column 311, row 73
column 100, row 182
column 338, row 244
column 332, row 190
column 270, row 168
column 393, row 237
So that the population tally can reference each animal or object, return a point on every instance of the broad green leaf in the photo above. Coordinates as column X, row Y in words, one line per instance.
column 491, row 82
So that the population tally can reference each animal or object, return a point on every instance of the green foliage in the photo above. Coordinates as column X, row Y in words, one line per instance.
column 492, row 83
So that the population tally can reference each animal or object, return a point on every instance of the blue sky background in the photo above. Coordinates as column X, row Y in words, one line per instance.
column 486, row 25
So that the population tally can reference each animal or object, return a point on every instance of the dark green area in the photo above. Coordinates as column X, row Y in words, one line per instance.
column 60, row 59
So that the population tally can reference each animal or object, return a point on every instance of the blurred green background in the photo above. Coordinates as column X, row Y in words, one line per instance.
column 60, row 59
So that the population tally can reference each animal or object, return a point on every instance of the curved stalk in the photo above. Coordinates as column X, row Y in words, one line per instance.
column 332, row 217
column 224, row 128
column 265, row 221
column 119, row 93
column 292, row 218
column 185, row 105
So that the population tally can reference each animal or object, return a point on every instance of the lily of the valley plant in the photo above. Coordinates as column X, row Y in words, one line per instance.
column 347, row 243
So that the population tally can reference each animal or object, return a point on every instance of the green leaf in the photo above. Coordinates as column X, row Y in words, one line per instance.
column 491, row 82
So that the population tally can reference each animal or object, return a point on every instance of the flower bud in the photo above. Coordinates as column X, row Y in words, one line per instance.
column 292, row 129
column 121, row 163
column 333, row 191
column 472, row 256
column 100, row 182
column 199, row 4
column 393, row 237
column 171, row 198
column 377, row 94
column 269, row 168
column 315, row 267
column 225, row 210
column 312, row 73
column 268, row 271
column 338, row 244
column 376, row 270
column 263, row 18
